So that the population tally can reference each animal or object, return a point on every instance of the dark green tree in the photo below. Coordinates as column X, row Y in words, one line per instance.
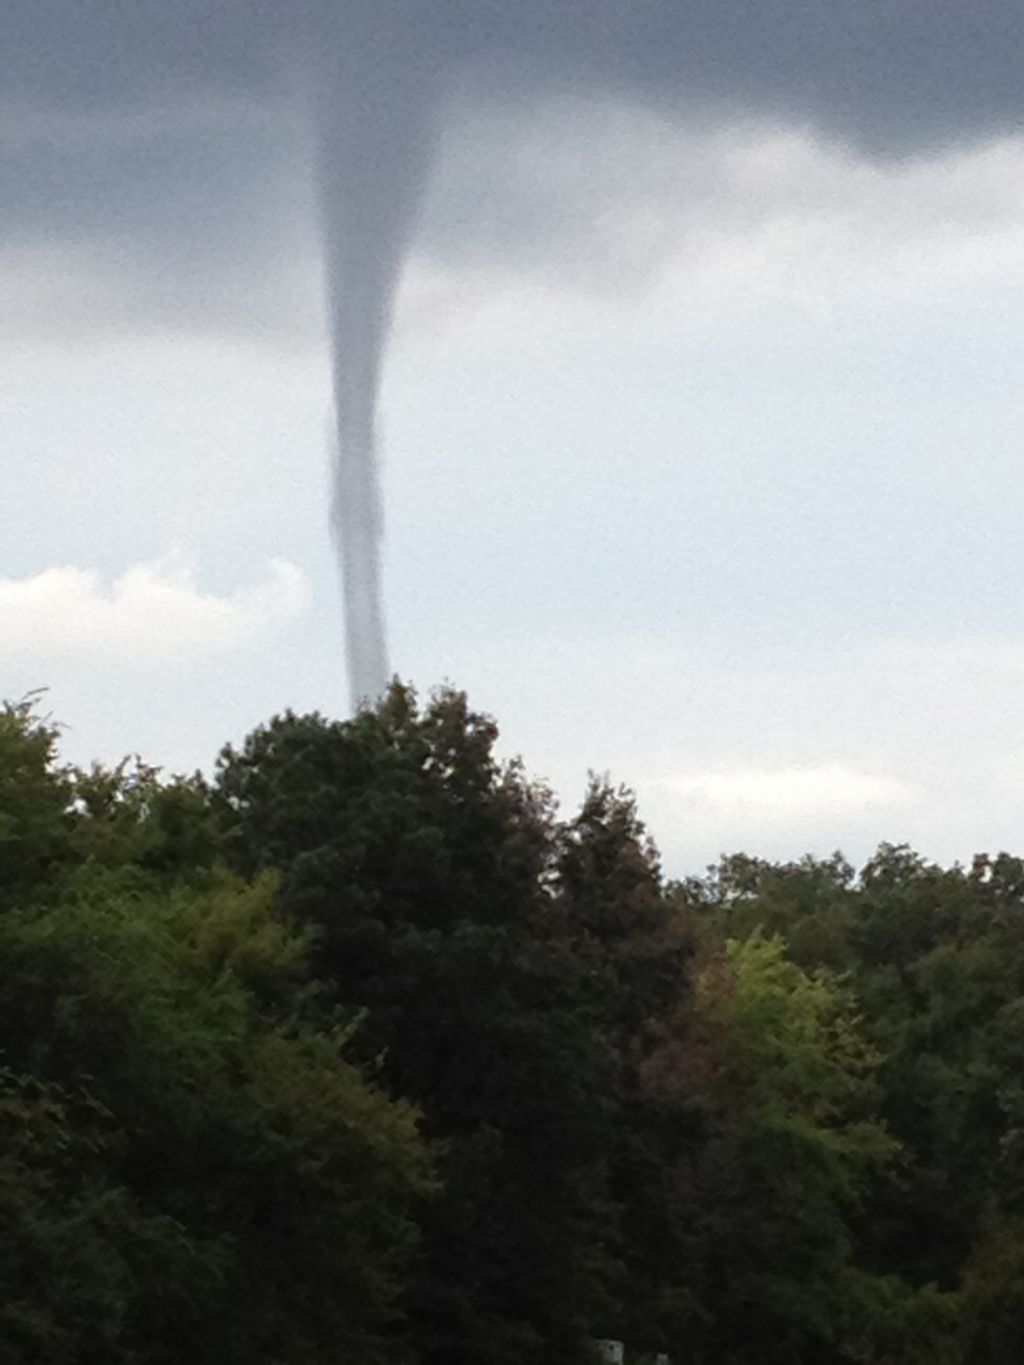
column 504, row 963
column 35, row 821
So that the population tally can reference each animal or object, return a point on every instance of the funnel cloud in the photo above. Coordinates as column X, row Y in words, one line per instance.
column 372, row 108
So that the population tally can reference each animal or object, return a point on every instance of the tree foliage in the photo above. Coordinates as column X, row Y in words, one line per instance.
column 190, row 1168
column 364, row 1051
column 498, row 958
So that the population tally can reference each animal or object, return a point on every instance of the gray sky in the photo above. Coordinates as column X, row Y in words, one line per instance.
column 703, row 419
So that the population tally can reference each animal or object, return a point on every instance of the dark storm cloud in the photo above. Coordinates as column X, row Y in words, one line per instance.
column 147, row 125
column 132, row 124
column 168, row 133
column 891, row 74
column 91, row 55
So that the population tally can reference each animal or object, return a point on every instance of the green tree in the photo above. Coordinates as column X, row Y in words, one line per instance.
column 34, row 799
column 190, row 1166
column 258, row 1199
column 501, row 961
column 779, row 1080
column 935, row 960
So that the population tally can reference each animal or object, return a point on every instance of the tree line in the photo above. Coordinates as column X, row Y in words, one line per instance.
column 361, row 1050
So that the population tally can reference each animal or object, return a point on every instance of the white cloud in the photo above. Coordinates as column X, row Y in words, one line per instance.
column 152, row 613
column 621, row 204
column 81, row 292
column 776, row 750
column 785, row 793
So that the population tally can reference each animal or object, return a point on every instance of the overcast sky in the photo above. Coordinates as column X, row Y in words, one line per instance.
column 703, row 414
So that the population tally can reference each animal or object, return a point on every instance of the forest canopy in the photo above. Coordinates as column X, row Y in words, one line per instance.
column 361, row 1049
